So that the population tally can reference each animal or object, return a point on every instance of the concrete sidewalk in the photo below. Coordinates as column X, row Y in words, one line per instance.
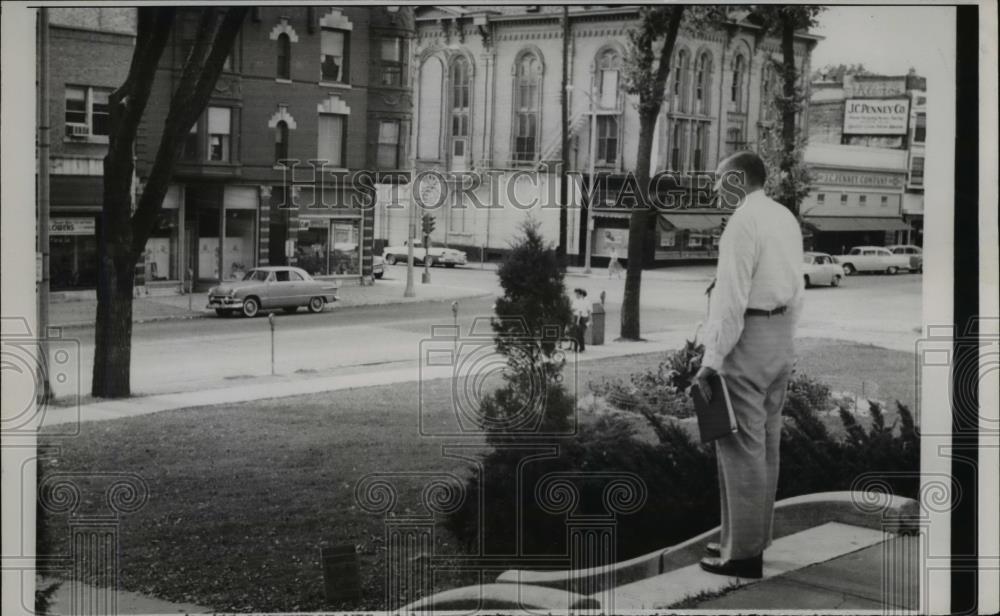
column 82, row 312
column 346, row 377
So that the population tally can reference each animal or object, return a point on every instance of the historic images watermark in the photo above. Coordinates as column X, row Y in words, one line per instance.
column 314, row 184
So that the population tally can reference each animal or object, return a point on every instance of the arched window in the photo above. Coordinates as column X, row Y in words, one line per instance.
column 736, row 87
column 703, row 83
column 284, row 56
column 609, row 66
column 681, row 85
column 281, row 141
column 460, row 101
column 527, row 106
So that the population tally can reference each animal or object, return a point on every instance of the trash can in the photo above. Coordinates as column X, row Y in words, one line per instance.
column 595, row 331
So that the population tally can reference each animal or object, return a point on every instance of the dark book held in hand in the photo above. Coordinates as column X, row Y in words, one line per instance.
column 716, row 418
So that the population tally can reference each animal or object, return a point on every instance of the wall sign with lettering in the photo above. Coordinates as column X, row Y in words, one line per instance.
column 876, row 116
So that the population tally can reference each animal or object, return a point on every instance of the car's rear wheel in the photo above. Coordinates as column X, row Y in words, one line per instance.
column 291, row 309
column 806, row 281
column 835, row 281
column 849, row 269
column 390, row 259
column 251, row 307
column 891, row 270
column 223, row 312
column 316, row 305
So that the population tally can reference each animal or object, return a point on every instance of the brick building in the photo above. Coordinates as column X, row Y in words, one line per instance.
column 303, row 83
column 487, row 88
column 866, row 151
column 89, row 50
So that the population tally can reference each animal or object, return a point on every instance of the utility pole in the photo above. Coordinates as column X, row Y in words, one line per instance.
column 409, row 292
column 43, row 204
column 564, row 125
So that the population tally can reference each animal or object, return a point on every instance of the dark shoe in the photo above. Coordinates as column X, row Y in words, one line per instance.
column 713, row 549
column 750, row 568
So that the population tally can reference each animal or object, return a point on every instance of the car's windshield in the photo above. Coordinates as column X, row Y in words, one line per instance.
column 259, row 275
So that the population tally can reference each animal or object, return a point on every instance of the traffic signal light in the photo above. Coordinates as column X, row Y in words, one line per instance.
column 427, row 224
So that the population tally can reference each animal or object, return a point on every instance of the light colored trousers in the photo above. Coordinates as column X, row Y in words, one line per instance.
column 757, row 372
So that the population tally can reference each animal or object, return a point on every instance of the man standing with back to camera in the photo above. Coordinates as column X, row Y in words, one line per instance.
column 753, row 310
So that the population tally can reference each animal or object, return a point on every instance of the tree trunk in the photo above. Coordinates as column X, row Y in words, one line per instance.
column 788, row 109
column 637, row 225
column 113, row 334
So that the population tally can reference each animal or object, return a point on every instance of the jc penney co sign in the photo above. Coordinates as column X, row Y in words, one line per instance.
column 867, row 116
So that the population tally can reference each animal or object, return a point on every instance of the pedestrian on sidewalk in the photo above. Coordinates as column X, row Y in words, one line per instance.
column 748, row 337
column 581, row 317
column 614, row 266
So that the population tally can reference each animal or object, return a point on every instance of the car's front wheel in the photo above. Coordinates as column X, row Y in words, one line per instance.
column 806, row 281
column 390, row 259
column 251, row 307
column 835, row 281
column 316, row 305
column 891, row 270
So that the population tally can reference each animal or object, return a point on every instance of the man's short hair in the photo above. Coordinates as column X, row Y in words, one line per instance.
column 751, row 165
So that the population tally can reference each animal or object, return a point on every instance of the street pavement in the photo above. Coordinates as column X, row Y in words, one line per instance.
column 203, row 353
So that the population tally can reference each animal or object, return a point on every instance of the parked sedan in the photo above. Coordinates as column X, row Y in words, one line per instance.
column 915, row 254
column 820, row 268
column 872, row 259
column 436, row 255
column 267, row 288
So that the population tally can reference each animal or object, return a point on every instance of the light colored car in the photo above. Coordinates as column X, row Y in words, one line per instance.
column 872, row 259
column 820, row 268
column 268, row 288
column 915, row 254
column 378, row 266
column 437, row 255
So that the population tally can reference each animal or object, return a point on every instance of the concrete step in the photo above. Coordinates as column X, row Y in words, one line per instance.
column 791, row 553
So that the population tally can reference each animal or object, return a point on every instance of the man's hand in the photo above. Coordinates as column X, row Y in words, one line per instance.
column 701, row 380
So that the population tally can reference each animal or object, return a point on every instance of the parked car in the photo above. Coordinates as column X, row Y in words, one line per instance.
column 378, row 266
column 437, row 255
column 872, row 259
column 267, row 288
column 915, row 253
column 820, row 268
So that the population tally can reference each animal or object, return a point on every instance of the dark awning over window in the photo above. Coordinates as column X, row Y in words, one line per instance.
column 857, row 224
column 692, row 221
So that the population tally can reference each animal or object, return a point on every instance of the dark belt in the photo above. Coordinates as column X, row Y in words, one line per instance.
column 757, row 312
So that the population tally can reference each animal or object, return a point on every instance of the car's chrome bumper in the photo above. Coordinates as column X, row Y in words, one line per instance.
column 224, row 301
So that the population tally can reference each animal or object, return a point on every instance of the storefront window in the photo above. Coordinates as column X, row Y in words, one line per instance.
column 345, row 258
column 311, row 248
column 238, row 256
column 161, row 248
column 73, row 252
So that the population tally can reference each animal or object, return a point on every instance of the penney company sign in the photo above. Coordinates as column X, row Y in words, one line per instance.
column 876, row 116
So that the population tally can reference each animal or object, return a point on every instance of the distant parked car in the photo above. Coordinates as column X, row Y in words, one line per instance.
column 437, row 255
column 266, row 288
column 872, row 259
column 915, row 253
column 820, row 268
column 378, row 266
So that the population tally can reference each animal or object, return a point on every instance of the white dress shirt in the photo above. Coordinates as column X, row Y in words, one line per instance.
column 760, row 266
column 581, row 307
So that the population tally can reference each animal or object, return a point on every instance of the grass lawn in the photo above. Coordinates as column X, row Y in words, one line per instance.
column 243, row 496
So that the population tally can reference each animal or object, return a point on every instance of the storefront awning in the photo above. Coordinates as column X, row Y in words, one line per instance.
column 857, row 224
column 693, row 221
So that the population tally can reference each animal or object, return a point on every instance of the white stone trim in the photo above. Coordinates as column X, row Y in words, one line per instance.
column 286, row 28
column 334, row 104
column 336, row 19
column 279, row 115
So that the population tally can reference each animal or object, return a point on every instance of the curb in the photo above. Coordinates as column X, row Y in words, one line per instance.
column 333, row 308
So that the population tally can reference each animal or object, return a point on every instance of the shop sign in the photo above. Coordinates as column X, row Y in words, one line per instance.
column 303, row 224
column 849, row 178
column 876, row 116
column 71, row 226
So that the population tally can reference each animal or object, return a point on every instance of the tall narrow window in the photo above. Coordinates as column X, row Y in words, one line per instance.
column 334, row 55
column 736, row 87
column 100, row 112
column 703, row 78
column 917, row 171
column 76, row 107
column 675, row 147
column 281, row 141
column 284, row 56
column 609, row 67
column 607, row 139
column 331, row 138
column 920, row 129
column 699, row 146
column 460, row 95
column 388, row 144
column 527, row 104
column 87, row 111
column 219, row 133
column 682, row 69
column 767, row 91
column 392, row 58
